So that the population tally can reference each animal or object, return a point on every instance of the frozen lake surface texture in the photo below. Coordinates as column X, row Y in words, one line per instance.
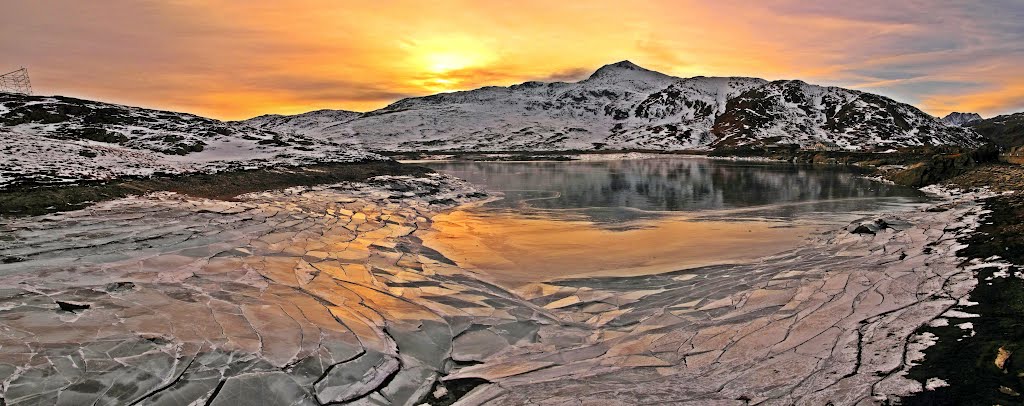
column 672, row 280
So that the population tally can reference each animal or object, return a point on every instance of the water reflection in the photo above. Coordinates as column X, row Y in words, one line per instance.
column 617, row 191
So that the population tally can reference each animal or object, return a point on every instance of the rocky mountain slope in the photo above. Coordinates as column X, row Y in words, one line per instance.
column 960, row 119
column 1006, row 131
column 56, row 140
column 624, row 106
column 793, row 112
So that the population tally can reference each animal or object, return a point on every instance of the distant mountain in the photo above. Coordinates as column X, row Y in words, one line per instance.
column 51, row 140
column 1006, row 131
column 48, row 140
column 624, row 106
column 313, row 122
column 960, row 119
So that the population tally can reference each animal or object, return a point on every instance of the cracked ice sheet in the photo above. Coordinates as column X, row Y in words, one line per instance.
column 298, row 296
column 833, row 321
column 327, row 294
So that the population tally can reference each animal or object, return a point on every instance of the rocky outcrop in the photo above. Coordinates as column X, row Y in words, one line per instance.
column 940, row 167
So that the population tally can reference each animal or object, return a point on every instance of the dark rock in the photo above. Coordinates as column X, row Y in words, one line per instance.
column 158, row 340
column 12, row 259
column 443, row 202
column 863, row 229
column 119, row 286
column 72, row 306
column 95, row 134
column 454, row 389
column 871, row 227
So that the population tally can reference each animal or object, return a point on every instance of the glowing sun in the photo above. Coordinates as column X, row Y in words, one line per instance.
column 443, row 54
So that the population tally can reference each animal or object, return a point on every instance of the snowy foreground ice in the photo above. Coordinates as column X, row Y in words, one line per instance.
column 326, row 294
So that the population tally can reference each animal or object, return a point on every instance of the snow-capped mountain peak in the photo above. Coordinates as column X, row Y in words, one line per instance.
column 622, row 67
column 960, row 119
column 629, row 75
column 625, row 106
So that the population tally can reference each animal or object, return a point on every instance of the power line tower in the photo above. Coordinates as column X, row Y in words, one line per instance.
column 16, row 82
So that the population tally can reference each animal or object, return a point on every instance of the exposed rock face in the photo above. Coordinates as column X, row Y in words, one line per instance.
column 624, row 106
column 960, row 119
column 939, row 167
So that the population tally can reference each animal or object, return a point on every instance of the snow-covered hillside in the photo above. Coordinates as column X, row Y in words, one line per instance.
column 531, row 115
column 313, row 122
column 624, row 106
column 58, row 139
column 793, row 112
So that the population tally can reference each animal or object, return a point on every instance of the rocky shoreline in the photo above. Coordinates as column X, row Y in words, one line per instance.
column 34, row 199
column 170, row 299
column 983, row 364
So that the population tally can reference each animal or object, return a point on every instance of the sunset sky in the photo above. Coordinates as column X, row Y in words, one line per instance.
column 237, row 59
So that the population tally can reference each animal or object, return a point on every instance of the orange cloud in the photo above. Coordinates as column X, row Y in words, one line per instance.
column 230, row 59
column 995, row 99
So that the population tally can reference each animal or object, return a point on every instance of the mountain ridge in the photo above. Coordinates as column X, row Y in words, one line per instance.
column 1005, row 131
column 625, row 106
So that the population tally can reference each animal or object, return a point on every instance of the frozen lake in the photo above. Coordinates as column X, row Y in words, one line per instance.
column 644, row 216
